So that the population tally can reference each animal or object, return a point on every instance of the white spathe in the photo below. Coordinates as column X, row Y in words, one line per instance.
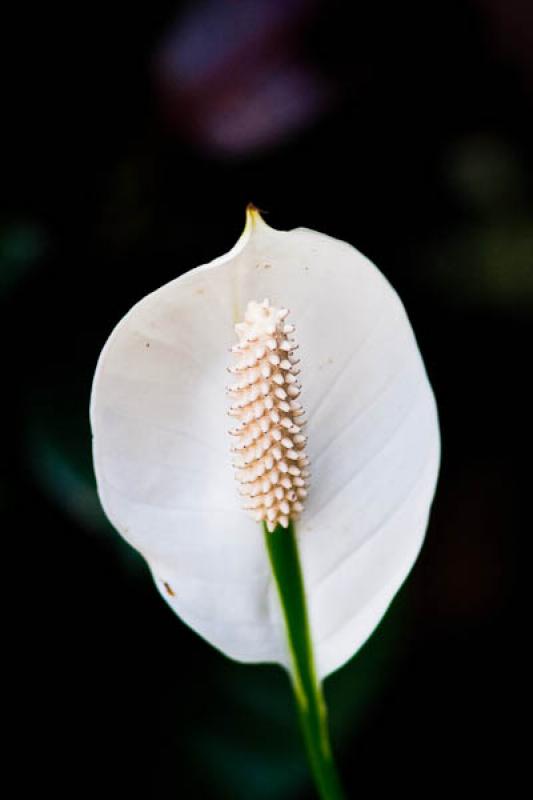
column 162, row 456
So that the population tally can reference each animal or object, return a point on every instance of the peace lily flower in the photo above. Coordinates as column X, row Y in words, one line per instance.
column 166, row 467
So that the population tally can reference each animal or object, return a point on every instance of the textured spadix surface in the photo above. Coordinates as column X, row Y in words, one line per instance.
column 163, row 464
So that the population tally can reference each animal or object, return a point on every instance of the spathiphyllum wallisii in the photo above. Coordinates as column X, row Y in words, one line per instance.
column 264, row 561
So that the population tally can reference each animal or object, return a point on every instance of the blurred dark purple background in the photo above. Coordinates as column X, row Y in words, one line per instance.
column 133, row 139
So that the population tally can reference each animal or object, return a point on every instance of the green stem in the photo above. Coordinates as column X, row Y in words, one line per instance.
column 283, row 553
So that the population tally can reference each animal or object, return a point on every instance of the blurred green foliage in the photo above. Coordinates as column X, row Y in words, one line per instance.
column 486, row 260
column 21, row 247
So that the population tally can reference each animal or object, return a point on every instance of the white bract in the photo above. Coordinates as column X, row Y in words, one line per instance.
column 162, row 452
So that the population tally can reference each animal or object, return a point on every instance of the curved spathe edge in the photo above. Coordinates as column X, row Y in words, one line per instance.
column 378, row 608
column 253, row 222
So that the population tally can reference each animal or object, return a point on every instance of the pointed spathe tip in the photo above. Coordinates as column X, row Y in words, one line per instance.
column 253, row 217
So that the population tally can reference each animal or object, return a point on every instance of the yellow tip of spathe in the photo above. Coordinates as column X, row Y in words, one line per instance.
column 253, row 217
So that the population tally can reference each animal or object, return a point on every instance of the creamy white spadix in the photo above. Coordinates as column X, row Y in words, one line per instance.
column 164, row 467
column 270, row 461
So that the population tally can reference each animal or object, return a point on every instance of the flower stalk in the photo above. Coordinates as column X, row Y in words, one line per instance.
column 282, row 550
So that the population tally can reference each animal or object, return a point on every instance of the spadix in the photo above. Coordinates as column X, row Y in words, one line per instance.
column 272, row 467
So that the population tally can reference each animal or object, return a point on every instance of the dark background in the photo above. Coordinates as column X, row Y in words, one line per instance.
column 133, row 139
